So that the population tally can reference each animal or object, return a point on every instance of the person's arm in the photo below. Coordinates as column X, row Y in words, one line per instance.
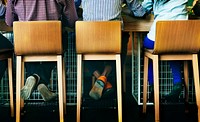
column 148, row 5
column 77, row 3
column 10, row 15
column 136, row 8
column 196, row 8
column 69, row 12
column 2, row 9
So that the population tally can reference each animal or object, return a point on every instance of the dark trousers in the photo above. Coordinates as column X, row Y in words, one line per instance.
column 5, row 44
column 44, row 69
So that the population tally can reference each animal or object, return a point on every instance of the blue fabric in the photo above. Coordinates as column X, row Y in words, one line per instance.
column 77, row 3
column 175, row 65
column 162, row 10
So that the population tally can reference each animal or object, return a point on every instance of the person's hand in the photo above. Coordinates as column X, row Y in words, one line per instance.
column 196, row 8
column 4, row 1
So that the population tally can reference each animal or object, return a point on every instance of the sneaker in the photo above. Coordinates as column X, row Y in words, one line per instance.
column 46, row 94
column 97, row 89
column 29, row 86
column 108, row 90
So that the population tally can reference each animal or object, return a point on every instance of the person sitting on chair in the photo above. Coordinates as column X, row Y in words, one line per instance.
column 39, row 73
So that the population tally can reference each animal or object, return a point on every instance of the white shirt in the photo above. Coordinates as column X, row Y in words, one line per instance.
column 172, row 10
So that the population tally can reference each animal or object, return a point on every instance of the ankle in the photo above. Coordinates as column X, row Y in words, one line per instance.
column 37, row 77
column 103, row 79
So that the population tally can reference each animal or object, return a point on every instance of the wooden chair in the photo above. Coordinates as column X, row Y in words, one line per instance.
column 175, row 40
column 8, row 54
column 37, row 41
column 98, row 40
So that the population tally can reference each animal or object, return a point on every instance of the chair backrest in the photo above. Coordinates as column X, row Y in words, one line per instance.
column 98, row 37
column 177, row 36
column 37, row 37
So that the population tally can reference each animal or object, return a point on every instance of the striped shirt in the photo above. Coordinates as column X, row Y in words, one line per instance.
column 2, row 9
column 108, row 9
column 33, row 10
column 101, row 10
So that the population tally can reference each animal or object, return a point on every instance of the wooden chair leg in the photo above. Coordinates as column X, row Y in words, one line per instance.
column 18, row 86
column 196, row 82
column 156, row 88
column 119, row 87
column 22, row 83
column 79, row 86
column 186, row 79
column 146, row 60
column 64, row 86
column 60, row 86
column 10, row 77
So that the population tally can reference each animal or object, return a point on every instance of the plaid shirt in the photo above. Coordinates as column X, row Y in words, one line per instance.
column 32, row 10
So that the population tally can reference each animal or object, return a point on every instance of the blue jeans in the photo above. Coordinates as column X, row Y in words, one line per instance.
column 175, row 65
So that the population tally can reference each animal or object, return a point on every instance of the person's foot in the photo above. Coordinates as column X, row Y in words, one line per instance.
column 173, row 96
column 97, row 89
column 29, row 86
column 108, row 89
column 46, row 94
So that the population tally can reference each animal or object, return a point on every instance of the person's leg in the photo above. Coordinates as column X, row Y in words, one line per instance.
column 177, row 81
column 39, row 74
column 125, row 39
column 42, row 69
column 5, row 44
column 149, row 44
column 98, row 87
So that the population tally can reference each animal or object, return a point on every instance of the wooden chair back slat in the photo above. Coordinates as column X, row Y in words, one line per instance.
column 98, row 37
column 180, row 36
column 37, row 37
